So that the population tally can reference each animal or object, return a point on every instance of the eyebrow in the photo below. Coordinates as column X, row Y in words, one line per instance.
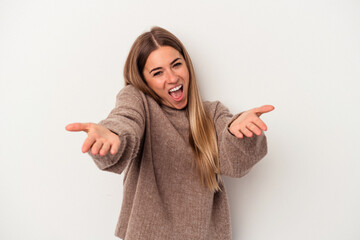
column 154, row 69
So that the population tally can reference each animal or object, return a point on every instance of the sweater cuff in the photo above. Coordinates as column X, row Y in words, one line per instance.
column 103, row 162
column 231, row 120
column 250, row 146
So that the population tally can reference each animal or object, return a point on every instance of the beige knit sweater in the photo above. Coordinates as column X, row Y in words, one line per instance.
column 163, row 198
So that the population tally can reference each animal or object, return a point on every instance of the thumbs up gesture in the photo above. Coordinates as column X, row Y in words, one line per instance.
column 100, row 139
column 249, row 123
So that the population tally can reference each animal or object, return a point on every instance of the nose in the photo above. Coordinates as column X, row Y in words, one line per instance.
column 172, row 77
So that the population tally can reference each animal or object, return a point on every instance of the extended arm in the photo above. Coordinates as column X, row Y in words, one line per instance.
column 121, row 133
column 240, row 148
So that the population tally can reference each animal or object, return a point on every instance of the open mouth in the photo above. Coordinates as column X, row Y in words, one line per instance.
column 177, row 93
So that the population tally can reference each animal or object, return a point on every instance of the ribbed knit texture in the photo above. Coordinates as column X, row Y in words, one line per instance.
column 163, row 197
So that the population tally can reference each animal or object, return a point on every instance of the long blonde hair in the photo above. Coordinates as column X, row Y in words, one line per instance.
column 202, row 135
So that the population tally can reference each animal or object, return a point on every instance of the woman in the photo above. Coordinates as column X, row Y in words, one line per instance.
column 172, row 146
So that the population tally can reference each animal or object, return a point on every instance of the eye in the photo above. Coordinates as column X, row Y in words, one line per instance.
column 177, row 64
column 157, row 73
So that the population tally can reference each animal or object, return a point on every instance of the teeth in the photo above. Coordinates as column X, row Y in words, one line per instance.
column 175, row 88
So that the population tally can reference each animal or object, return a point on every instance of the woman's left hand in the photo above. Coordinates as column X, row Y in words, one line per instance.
column 249, row 122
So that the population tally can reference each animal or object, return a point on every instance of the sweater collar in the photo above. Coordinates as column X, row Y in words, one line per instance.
column 171, row 110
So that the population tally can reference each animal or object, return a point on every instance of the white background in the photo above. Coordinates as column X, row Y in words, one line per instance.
column 62, row 61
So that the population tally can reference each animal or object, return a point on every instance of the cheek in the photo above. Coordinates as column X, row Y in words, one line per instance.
column 187, row 79
column 156, row 85
column 186, row 74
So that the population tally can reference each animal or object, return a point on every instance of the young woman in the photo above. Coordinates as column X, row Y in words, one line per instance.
column 172, row 146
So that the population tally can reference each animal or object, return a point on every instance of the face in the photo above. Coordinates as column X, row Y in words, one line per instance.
column 167, row 75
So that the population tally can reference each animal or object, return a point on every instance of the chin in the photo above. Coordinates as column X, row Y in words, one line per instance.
column 179, row 106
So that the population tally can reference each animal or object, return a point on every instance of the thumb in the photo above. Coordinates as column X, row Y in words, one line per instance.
column 76, row 127
column 263, row 109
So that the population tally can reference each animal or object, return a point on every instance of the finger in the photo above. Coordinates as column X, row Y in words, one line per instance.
column 246, row 132
column 76, row 127
column 263, row 109
column 89, row 141
column 260, row 124
column 96, row 147
column 252, row 127
column 115, row 147
column 104, row 149
column 236, row 132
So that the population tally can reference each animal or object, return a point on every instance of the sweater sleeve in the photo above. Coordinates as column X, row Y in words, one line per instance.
column 237, row 155
column 127, row 120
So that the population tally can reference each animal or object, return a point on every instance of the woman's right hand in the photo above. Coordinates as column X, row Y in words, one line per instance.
column 100, row 139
